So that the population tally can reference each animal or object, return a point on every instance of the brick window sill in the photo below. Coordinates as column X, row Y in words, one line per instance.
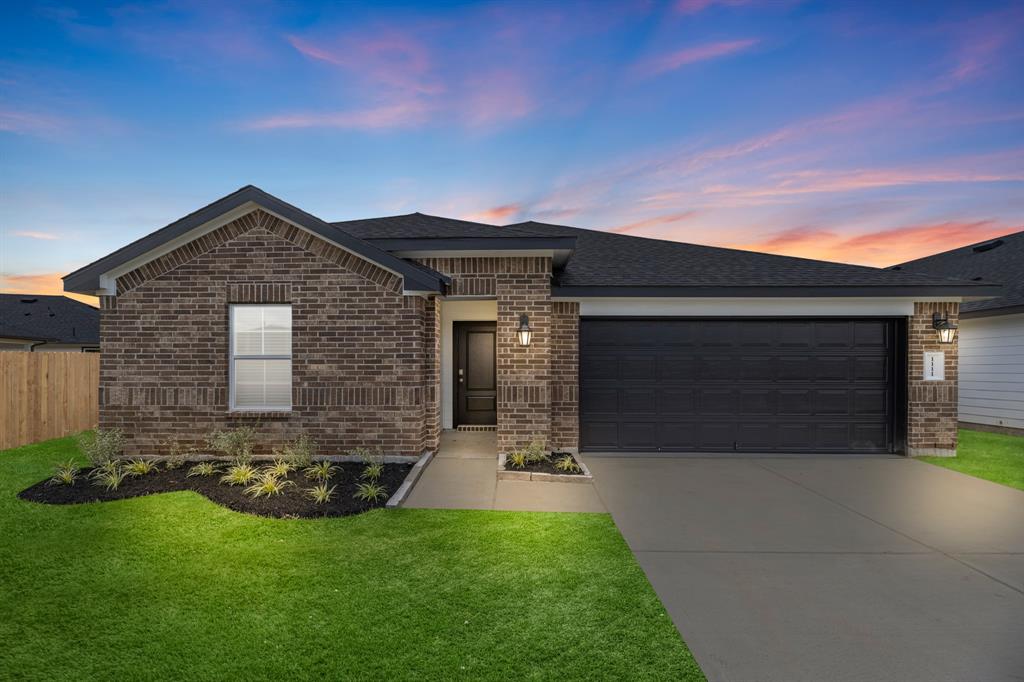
column 259, row 414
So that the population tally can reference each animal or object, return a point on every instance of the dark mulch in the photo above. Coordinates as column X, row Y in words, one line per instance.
column 548, row 467
column 293, row 503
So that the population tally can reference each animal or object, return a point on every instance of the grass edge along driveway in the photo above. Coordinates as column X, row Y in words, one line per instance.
column 994, row 457
column 175, row 586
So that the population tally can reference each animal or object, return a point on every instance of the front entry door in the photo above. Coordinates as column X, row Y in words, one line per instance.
column 476, row 393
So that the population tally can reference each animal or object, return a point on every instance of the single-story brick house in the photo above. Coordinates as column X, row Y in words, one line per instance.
column 383, row 332
column 991, row 330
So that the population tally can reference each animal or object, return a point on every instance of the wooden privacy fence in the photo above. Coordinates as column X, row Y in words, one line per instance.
column 47, row 395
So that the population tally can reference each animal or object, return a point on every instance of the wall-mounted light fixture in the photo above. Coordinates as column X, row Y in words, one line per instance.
column 941, row 324
column 525, row 333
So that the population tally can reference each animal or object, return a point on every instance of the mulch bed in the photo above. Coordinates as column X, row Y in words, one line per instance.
column 548, row 467
column 293, row 503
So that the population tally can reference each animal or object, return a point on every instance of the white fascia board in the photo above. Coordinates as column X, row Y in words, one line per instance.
column 482, row 253
column 748, row 307
column 108, row 280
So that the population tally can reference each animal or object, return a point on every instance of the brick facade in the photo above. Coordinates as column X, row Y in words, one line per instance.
column 565, row 339
column 931, row 405
column 364, row 356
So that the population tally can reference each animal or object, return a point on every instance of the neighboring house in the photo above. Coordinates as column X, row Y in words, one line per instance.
column 991, row 331
column 383, row 332
column 30, row 322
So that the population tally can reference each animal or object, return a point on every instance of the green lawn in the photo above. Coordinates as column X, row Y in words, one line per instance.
column 992, row 456
column 174, row 586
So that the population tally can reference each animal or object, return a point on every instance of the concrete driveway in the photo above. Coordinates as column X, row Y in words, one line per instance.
column 851, row 568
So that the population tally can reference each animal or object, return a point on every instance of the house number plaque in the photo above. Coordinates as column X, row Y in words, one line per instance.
column 934, row 366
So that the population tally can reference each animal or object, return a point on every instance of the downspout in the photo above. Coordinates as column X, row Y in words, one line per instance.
column 32, row 348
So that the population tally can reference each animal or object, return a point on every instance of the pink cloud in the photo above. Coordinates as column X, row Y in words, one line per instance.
column 879, row 248
column 31, row 123
column 692, row 55
column 497, row 96
column 495, row 214
column 406, row 114
column 698, row 6
column 657, row 221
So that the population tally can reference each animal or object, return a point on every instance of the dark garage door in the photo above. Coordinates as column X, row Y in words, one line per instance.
column 727, row 385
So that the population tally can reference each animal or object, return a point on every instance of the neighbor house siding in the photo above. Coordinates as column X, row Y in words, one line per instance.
column 363, row 358
column 992, row 371
column 931, row 405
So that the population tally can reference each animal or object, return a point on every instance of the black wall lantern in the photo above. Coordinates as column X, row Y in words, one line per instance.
column 947, row 331
column 525, row 333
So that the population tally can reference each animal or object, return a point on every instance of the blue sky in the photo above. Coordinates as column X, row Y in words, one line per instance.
column 863, row 132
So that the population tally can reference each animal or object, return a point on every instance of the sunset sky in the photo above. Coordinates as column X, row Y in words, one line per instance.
column 860, row 132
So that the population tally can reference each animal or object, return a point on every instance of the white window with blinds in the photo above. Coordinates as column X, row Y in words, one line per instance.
column 261, row 357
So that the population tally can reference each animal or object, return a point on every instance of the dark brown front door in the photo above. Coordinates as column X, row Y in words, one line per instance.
column 475, row 385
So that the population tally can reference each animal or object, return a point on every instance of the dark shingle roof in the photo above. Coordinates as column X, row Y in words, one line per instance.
column 417, row 226
column 999, row 261
column 609, row 259
column 605, row 259
column 48, row 318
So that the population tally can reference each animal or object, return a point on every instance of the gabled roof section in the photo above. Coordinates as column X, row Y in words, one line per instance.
column 56, row 319
column 99, row 277
column 609, row 264
column 417, row 226
column 994, row 260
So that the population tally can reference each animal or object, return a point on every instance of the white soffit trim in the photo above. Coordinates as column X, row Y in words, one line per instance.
column 749, row 307
column 453, row 253
column 108, row 280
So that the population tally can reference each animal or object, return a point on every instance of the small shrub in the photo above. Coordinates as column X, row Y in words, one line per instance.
column 280, row 468
column 536, row 452
column 235, row 444
column 240, row 474
column 370, row 492
column 516, row 460
column 178, row 454
column 321, row 471
column 568, row 464
column 203, row 469
column 101, row 445
column 300, row 452
column 139, row 467
column 172, row 463
column 110, row 476
column 268, row 486
column 65, row 474
column 372, row 471
column 321, row 494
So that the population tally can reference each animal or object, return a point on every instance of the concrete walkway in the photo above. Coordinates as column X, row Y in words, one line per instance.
column 463, row 475
column 857, row 568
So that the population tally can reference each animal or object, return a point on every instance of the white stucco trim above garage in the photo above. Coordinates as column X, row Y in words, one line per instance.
column 750, row 307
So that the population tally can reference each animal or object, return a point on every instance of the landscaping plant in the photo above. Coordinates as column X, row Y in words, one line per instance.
column 240, row 474
column 300, row 452
column 321, row 471
column 139, row 467
column 280, row 468
column 370, row 492
column 267, row 486
column 109, row 475
column 372, row 471
column 65, row 474
column 516, row 460
column 568, row 464
column 235, row 444
column 536, row 452
column 321, row 494
column 101, row 445
column 202, row 469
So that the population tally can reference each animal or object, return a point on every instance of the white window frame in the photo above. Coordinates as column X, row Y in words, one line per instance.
column 232, row 357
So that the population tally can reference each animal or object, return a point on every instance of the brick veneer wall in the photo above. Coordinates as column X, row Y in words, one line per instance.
column 524, row 374
column 932, row 405
column 565, row 331
column 364, row 358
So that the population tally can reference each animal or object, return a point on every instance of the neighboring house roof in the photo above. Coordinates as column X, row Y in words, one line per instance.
column 55, row 319
column 994, row 260
column 586, row 262
column 87, row 279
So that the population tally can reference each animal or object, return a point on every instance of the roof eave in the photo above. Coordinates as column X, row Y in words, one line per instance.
column 802, row 291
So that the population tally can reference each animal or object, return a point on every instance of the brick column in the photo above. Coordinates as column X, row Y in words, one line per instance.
column 432, row 374
column 523, row 285
column 565, row 329
column 932, row 405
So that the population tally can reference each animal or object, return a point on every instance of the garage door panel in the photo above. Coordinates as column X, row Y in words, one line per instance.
column 737, row 385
